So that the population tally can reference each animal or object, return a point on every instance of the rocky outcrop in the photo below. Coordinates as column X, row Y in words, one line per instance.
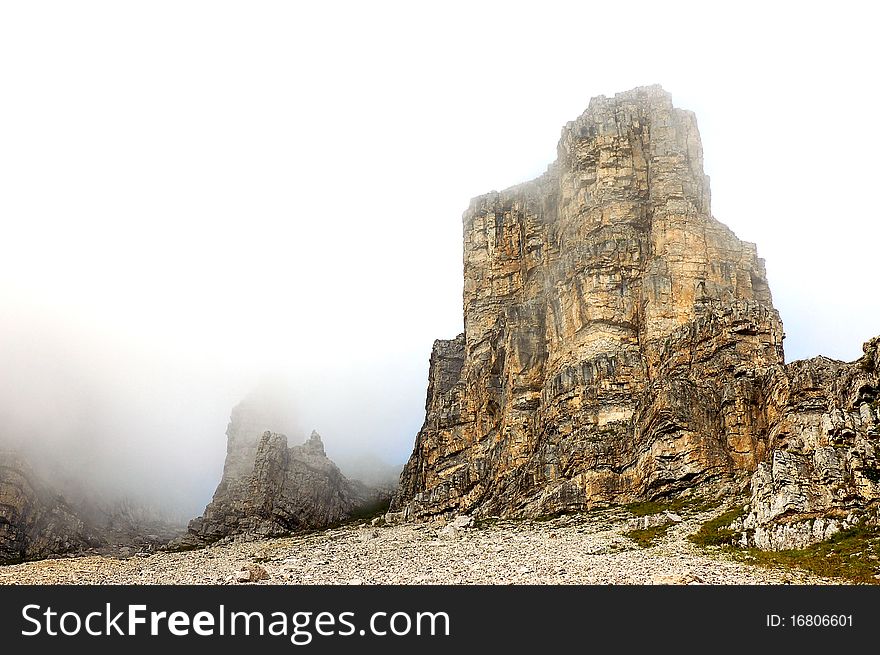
column 619, row 342
column 36, row 522
column 270, row 489
column 613, row 331
column 823, row 472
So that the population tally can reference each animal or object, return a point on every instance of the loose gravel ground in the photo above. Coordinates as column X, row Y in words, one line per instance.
column 582, row 549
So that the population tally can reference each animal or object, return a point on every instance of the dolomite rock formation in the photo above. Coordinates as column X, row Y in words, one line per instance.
column 613, row 331
column 823, row 472
column 619, row 342
column 34, row 521
column 270, row 489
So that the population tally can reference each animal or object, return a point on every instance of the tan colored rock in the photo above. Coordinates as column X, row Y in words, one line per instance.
column 621, row 344
column 824, row 470
column 251, row 573
column 614, row 332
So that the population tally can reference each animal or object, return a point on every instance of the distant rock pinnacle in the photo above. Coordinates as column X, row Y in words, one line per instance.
column 270, row 489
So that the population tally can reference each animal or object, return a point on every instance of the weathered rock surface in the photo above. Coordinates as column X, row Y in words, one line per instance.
column 823, row 473
column 576, row 549
column 614, row 331
column 621, row 344
column 270, row 489
column 36, row 522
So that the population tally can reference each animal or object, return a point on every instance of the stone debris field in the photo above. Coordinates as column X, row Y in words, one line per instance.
column 576, row 549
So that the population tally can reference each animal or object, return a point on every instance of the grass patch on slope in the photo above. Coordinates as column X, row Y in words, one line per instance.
column 646, row 537
column 852, row 554
column 849, row 554
column 717, row 532
column 693, row 504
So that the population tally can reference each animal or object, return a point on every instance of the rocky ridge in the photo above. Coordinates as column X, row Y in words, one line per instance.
column 270, row 489
column 38, row 521
column 35, row 521
column 621, row 344
column 822, row 473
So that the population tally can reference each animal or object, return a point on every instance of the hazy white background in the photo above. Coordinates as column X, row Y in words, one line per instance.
column 197, row 195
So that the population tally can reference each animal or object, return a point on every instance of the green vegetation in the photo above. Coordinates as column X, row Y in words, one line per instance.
column 566, row 512
column 717, row 532
column 648, row 536
column 852, row 554
column 487, row 522
column 692, row 504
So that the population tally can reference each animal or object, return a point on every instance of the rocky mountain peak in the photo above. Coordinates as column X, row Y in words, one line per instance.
column 620, row 344
column 314, row 444
column 269, row 488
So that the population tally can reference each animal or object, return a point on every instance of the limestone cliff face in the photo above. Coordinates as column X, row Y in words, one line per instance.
column 823, row 472
column 270, row 489
column 621, row 344
column 34, row 521
column 615, row 333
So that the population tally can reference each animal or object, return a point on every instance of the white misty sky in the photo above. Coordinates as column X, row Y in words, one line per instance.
column 195, row 195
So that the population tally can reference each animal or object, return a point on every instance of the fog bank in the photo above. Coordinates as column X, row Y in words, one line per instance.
column 199, row 197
